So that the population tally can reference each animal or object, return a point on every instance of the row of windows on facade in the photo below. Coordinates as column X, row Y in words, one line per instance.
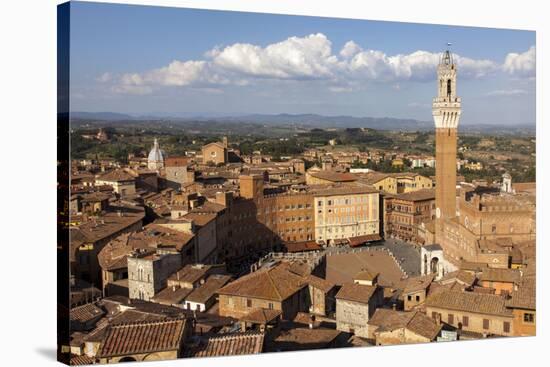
column 348, row 219
column 363, row 226
column 295, row 230
column 408, row 209
column 465, row 320
column 349, row 209
column 343, row 234
column 403, row 220
column 274, row 209
column 345, row 201
column 288, row 219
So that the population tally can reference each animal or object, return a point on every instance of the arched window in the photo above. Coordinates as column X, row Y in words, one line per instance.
column 449, row 88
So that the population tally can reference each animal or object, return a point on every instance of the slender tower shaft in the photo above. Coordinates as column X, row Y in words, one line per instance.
column 446, row 113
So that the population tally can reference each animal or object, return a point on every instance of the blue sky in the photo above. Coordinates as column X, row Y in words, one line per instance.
column 143, row 59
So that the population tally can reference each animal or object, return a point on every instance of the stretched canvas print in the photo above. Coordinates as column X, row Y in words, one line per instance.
column 237, row 183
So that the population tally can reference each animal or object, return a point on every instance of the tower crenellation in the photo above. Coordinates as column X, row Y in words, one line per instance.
column 446, row 106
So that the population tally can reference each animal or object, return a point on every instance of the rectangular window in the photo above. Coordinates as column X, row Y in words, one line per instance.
column 270, row 306
column 485, row 324
column 409, row 298
column 248, row 303
column 506, row 326
column 465, row 320
column 451, row 318
column 417, row 298
column 529, row 317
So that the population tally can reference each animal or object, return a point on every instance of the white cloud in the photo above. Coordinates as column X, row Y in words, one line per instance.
column 350, row 49
column 104, row 78
column 338, row 89
column 419, row 66
column 507, row 92
column 131, row 89
column 177, row 73
column 521, row 64
column 309, row 57
column 304, row 58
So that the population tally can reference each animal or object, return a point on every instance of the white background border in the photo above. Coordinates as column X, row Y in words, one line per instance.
column 28, row 179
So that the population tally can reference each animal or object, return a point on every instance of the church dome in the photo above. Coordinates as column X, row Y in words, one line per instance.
column 155, row 155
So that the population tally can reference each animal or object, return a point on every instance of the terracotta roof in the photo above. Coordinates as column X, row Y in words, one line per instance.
column 418, row 195
column 417, row 322
column 335, row 176
column 342, row 268
column 298, row 267
column 143, row 337
column 105, row 225
column 461, row 276
column 209, row 207
column 356, row 292
column 200, row 219
column 418, row 283
column 365, row 274
column 81, row 360
column 85, row 313
column 172, row 295
column 115, row 254
column 501, row 275
column 319, row 283
column 524, row 297
column 437, row 287
column 373, row 177
column 95, row 197
column 423, row 325
column 275, row 283
column 116, row 176
column 303, row 338
column 208, row 290
column 470, row 302
column 190, row 273
column 228, row 345
column 261, row 315
column 473, row 266
column 344, row 190
column 360, row 240
column 302, row 246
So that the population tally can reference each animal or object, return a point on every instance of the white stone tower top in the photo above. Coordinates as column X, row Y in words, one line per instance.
column 446, row 106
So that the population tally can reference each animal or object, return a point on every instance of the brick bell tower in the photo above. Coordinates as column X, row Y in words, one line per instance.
column 446, row 113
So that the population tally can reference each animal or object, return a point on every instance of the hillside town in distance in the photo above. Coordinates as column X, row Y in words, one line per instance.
column 215, row 252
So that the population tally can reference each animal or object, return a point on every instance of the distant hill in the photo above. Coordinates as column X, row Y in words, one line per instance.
column 313, row 120
column 303, row 120
column 108, row 116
